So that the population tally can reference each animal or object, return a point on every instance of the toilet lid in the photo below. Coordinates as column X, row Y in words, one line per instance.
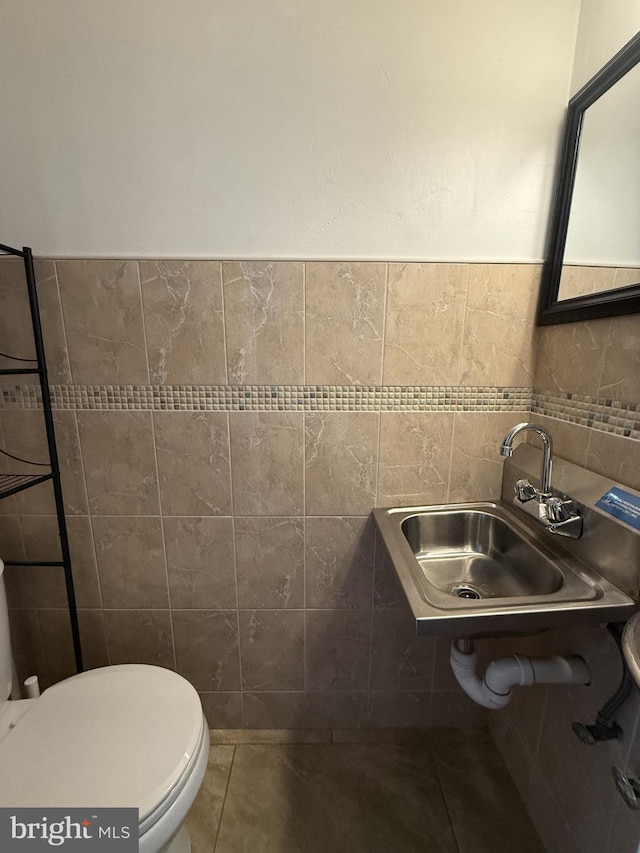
column 118, row 736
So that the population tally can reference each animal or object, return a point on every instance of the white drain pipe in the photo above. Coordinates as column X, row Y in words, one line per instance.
column 494, row 690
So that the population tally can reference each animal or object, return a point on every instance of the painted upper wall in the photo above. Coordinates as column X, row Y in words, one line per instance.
column 425, row 129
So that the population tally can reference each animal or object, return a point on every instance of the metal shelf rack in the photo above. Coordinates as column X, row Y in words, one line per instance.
column 11, row 484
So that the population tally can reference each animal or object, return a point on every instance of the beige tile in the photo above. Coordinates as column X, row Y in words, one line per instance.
column 16, row 331
column 131, row 562
column 119, row 462
column 582, row 281
column 344, row 310
column 26, row 646
column 425, row 315
column 455, row 708
column 570, row 441
column 222, row 709
column 620, row 378
column 499, row 332
column 57, row 643
column 406, row 709
column 93, row 638
column 570, row 356
column 549, row 818
column 341, row 458
column 74, row 491
column 415, row 454
column 387, row 589
column 140, row 636
column 25, row 437
column 12, row 275
column 272, row 649
column 264, row 321
column 53, row 333
column 83, row 561
column 399, row 659
column 270, row 562
column 474, row 772
column 207, row 648
column 515, row 753
column 304, row 711
column 41, row 539
column 200, row 562
column 338, row 649
column 627, row 275
column 182, row 303
column 615, row 457
column 11, row 544
column 383, row 735
column 204, row 816
column 476, row 464
column 317, row 797
column 17, row 581
column 267, row 463
column 193, row 462
column 237, row 736
column 47, row 583
column 103, row 319
column 42, row 542
column 339, row 562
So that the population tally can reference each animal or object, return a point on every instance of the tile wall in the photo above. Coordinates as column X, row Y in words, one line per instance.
column 587, row 381
column 225, row 430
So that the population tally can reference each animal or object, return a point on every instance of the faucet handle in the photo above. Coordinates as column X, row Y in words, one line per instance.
column 560, row 510
column 525, row 491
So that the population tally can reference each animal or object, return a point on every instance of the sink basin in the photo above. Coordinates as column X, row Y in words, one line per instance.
column 478, row 554
column 479, row 569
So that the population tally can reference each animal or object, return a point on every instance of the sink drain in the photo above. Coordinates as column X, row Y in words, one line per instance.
column 464, row 591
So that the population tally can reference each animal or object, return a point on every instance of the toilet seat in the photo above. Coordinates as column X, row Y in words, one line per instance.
column 127, row 735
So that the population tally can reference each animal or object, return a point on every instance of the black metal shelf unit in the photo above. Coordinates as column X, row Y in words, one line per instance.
column 11, row 484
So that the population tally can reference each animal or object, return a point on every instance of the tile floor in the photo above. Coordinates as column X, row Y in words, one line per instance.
column 369, row 791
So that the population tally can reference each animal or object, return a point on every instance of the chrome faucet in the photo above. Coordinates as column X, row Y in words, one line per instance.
column 547, row 458
column 556, row 514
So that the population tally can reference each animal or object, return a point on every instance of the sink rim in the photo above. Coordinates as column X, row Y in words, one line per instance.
column 584, row 594
column 522, row 532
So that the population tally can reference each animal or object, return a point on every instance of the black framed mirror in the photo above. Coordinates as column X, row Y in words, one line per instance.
column 593, row 255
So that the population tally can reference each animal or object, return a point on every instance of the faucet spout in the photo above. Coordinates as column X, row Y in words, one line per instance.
column 506, row 449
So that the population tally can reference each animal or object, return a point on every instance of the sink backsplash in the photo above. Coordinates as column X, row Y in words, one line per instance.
column 609, row 546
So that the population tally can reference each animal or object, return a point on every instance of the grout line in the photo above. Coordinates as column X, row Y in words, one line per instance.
column 224, row 323
column 444, row 800
column 464, row 323
column 157, row 469
column 384, row 321
column 63, row 322
column 224, row 799
column 235, row 569
column 453, row 444
column 304, row 323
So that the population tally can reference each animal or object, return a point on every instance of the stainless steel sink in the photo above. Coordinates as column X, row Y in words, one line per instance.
column 478, row 569
column 478, row 553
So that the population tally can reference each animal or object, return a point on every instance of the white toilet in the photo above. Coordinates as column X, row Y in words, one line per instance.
column 122, row 736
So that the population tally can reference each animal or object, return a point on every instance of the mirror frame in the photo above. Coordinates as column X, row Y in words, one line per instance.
column 608, row 303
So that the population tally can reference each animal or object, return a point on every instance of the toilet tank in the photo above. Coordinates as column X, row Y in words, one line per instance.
column 6, row 668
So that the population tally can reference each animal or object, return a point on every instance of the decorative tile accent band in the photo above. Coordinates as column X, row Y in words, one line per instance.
column 605, row 415
column 613, row 416
column 271, row 398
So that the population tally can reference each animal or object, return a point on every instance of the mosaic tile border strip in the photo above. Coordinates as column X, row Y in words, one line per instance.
column 271, row 398
column 613, row 416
